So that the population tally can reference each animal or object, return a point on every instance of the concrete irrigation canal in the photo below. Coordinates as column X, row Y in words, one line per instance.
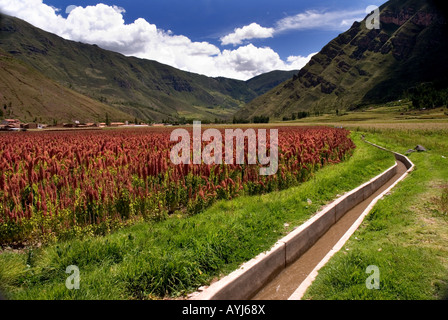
column 285, row 284
column 288, row 269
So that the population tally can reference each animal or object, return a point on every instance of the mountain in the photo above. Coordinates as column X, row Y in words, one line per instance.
column 142, row 88
column 362, row 66
column 266, row 81
column 30, row 96
column 137, row 87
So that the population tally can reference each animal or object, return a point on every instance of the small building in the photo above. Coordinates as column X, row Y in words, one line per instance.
column 86, row 125
column 11, row 123
column 117, row 124
column 30, row 125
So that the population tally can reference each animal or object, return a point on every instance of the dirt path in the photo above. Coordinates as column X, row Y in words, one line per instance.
column 287, row 281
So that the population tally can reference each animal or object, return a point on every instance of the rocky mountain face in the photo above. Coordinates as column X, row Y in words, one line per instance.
column 363, row 66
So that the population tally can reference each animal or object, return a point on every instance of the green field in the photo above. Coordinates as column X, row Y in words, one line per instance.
column 405, row 235
column 171, row 258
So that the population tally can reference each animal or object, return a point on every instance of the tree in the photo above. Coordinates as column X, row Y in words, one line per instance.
column 427, row 96
column 303, row 114
column 261, row 119
column 107, row 119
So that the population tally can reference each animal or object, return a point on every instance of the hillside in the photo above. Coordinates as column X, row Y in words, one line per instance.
column 362, row 67
column 266, row 81
column 141, row 88
column 31, row 97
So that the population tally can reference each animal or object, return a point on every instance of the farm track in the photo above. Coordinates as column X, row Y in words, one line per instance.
column 288, row 280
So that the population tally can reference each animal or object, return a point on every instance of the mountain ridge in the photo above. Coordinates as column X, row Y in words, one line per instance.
column 361, row 67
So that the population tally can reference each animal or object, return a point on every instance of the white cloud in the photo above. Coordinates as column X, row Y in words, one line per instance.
column 265, row 58
column 298, row 62
column 34, row 12
column 245, row 60
column 104, row 25
column 252, row 31
column 242, row 63
column 312, row 19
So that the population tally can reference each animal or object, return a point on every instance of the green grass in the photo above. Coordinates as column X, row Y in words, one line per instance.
column 176, row 256
column 405, row 235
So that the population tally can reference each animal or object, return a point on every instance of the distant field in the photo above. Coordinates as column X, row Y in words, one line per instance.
column 398, row 113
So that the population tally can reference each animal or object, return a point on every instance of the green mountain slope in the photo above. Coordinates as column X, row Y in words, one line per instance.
column 361, row 66
column 28, row 95
column 265, row 82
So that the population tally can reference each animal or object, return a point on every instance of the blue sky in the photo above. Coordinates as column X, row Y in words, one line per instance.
column 233, row 38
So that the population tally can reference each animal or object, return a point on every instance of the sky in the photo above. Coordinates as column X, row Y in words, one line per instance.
column 237, row 39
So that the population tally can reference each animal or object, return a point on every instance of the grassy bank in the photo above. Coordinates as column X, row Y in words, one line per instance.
column 406, row 234
column 173, row 257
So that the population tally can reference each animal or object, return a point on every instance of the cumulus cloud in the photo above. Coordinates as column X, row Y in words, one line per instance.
column 34, row 12
column 104, row 26
column 252, row 31
column 245, row 60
